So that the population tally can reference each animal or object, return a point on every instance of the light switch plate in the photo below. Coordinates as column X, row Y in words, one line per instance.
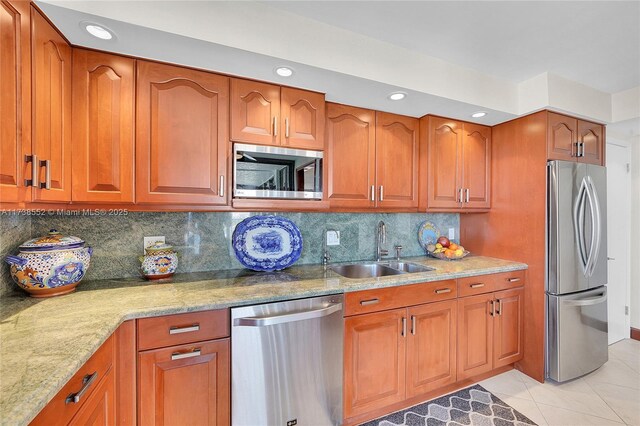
column 151, row 240
column 333, row 238
column 452, row 233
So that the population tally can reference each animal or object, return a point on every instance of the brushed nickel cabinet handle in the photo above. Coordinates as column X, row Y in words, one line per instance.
column 413, row 325
column 381, row 193
column 404, row 326
column 369, row 302
column 286, row 127
column 476, row 285
column 87, row 381
column 513, row 280
column 35, row 169
column 275, row 126
column 491, row 308
column 221, row 188
column 187, row 329
column 442, row 290
column 373, row 192
column 460, row 195
column 466, row 196
column 182, row 355
column 499, row 308
column 47, row 174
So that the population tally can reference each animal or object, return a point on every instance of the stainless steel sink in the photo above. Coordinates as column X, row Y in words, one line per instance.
column 364, row 270
column 372, row 270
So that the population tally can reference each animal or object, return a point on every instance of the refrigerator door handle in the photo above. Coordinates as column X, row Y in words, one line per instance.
column 594, row 207
column 578, row 224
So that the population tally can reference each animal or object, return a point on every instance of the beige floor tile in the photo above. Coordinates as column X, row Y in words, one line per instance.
column 624, row 401
column 526, row 406
column 628, row 351
column 508, row 384
column 616, row 372
column 560, row 417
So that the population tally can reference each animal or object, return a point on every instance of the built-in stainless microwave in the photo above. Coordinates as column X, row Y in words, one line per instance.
column 276, row 172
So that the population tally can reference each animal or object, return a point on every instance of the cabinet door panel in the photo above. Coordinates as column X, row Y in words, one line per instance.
column 100, row 408
column 475, row 335
column 51, row 61
column 431, row 347
column 350, row 156
column 103, row 108
column 396, row 160
column 255, row 112
column 591, row 138
column 476, row 166
column 181, row 145
column 508, row 327
column 444, row 170
column 15, row 103
column 189, row 390
column 374, row 355
column 561, row 137
column 302, row 120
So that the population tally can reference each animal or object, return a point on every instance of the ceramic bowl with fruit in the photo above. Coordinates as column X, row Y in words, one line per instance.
column 446, row 250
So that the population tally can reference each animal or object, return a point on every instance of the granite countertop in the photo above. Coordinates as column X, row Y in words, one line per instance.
column 44, row 342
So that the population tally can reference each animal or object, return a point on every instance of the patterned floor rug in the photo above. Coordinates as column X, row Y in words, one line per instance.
column 471, row 406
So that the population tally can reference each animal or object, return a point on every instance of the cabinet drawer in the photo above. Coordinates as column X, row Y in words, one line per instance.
column 59, row 411
column 470, row 286
column 361, row 302
column 507, row 280
column 169, row 330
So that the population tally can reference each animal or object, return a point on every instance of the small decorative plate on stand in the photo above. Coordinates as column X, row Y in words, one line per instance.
column 267, row 243
column 427, row 234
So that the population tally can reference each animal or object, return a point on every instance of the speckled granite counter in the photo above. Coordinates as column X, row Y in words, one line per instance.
column 43, row 343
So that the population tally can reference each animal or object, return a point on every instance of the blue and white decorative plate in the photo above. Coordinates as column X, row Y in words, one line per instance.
column 427, row 234
column 267, row 243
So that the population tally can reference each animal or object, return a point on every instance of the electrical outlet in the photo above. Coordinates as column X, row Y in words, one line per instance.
column 151, row 240
column 452, row 233
column 333, row 238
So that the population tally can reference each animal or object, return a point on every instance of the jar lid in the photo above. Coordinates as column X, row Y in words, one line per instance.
column 158, row 247
column 52, row 241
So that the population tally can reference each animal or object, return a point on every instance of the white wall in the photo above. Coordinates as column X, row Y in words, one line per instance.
column 635, row 232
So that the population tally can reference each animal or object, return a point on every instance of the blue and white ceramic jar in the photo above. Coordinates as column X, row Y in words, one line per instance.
column 50, row 265
column 160, row 261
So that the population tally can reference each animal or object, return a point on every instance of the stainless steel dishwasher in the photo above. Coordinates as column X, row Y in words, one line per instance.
column 286, row 363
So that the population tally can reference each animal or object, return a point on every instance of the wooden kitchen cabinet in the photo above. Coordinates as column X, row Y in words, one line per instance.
column 51, row 130
column 187, row 384
column 267, row 114
column 572, row 139
column 100, row 407
column 181, row 135
column 592, row 144
column 15, row 103
column 455, row 162
column 475, row 335
column 508, row 327
column 103, row 123
column 374, row 356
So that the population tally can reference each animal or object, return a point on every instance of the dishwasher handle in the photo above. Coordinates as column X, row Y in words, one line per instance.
column 290, row 317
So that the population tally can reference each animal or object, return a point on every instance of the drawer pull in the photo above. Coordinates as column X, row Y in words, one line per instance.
column 513, row 280
column 442, row 290
column 369, row 302
column 87, row 381
column 476, row 285
column 182, row 355
column 188, row 329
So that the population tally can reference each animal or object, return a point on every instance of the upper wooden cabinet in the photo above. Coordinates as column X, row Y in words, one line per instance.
column 103, row 115
column 51, row 85
column 181, row 135
column 455, row 165
column 267, row 114
column 572, row 139
column 15, row 103
column 371, row 159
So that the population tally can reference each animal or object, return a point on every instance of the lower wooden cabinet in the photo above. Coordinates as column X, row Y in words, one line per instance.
column 185, row 385
column 100, row 407
column 508, row 327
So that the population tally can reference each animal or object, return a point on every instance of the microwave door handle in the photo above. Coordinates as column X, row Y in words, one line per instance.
column 594, row 209
column 578, row 225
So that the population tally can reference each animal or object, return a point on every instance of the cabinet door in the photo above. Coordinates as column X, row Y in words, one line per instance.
column 182, row 135
column 255, row 112
column 51, row 67
column 103, row 108
column 185, row 385
column 562, row 135
column 431, row 347
column 374, row 361
column 302, row 119
column 475, row 335
column 350, row 156
column 476, row 166
column 396, row 160
column 508, row 327
column 15, row 103
column 591, row 139
column 100, row 408
column 444, row 169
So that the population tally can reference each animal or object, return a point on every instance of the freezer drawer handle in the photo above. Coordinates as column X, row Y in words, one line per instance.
column 285, row 318
column 587, row 302
column 188, row 329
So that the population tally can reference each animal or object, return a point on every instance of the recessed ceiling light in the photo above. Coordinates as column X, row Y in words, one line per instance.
column 284, row 71
column 397, row 96
column 478, row 114
column 98, row 31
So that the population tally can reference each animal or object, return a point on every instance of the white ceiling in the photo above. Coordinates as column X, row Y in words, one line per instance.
column 596, row 43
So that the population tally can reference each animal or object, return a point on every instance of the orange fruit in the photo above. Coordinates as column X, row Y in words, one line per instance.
column 453, row 246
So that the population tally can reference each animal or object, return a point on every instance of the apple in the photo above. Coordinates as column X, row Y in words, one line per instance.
column 444, row 241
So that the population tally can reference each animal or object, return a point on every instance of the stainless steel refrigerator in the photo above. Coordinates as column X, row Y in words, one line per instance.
column 576, row 269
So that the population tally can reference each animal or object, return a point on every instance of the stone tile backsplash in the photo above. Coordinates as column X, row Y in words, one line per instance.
column 203, row 240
